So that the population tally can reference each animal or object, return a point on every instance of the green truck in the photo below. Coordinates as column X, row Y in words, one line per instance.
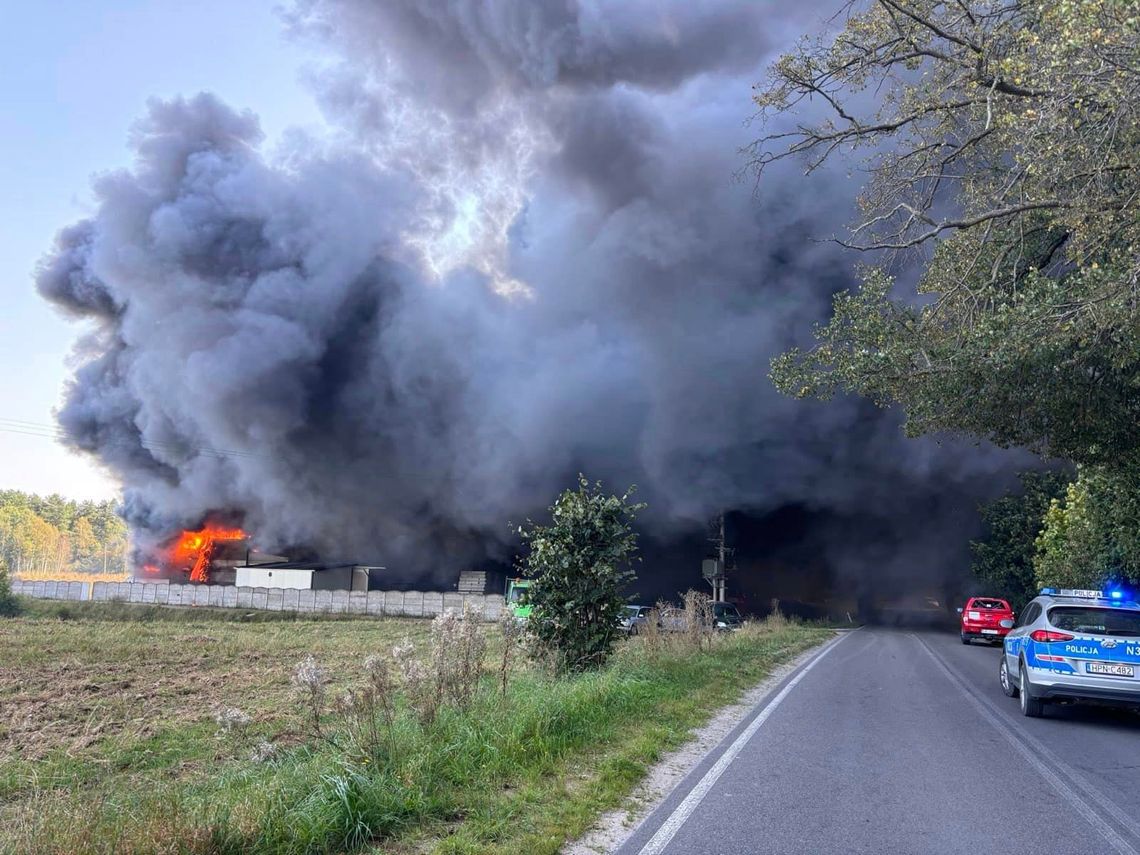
column 515, row 599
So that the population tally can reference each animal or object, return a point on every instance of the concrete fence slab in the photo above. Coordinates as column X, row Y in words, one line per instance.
column 358, row 602
column 433, row 603
column 291, row 597
column 259, row 599
column 453, row 601
column 322, row 601
column 375, row 603
column 306, row 601
column 414, row 604
column 275, row 599
column 494, row 604
column 244, row 597
column 393, row 602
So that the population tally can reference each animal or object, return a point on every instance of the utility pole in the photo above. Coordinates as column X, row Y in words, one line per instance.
column 716, row 570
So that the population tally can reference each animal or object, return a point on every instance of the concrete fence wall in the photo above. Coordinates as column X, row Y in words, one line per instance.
column 401, row 603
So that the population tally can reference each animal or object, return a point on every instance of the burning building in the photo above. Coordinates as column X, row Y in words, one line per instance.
column 208, row 555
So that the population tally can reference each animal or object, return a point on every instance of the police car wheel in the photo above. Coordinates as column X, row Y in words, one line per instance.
column 1030, row 706
column 1007, row 685
column 965, row 638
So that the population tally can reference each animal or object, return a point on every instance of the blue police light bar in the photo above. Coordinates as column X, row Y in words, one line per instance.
column 1116, row 595
column 1045, row 592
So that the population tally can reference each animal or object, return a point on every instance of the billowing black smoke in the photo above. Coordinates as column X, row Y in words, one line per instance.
column 523, row 254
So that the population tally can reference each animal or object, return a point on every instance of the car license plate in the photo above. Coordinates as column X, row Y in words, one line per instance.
column 989, row 632
column 1108, row 668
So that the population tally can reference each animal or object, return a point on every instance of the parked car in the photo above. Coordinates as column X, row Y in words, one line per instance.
column 634, row 618
column 987, row 618
column 726, row 616
column 1074, row 645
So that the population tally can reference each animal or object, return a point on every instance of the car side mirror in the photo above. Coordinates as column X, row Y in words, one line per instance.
column 959, row 610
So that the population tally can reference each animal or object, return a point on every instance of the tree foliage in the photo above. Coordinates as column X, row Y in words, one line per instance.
column 1091, row 535
column 53, row 535
column 1000, row 146
column 581, row 564
column 9, row 606
column 1004, row 556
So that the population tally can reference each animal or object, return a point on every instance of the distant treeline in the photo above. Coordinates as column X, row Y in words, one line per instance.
column 53, row 535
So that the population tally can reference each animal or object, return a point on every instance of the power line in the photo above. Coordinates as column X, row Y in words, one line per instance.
column 47, row 431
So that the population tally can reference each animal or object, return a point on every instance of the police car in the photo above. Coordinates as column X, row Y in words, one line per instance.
column 1073, row 645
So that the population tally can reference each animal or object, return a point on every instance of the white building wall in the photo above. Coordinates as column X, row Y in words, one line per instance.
column 268, row 577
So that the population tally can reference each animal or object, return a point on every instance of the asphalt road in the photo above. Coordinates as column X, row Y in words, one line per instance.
column 902, row 741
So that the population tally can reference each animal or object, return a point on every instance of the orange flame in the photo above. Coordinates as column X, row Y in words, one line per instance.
column 196, row 547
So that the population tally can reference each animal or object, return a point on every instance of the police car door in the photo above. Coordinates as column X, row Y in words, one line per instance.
column 1019, row 635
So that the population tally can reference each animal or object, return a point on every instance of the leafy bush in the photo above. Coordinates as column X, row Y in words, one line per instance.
column 9, row 605
column 581, row 565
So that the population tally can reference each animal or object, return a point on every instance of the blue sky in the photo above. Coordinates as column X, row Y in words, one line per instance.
column 76, row 74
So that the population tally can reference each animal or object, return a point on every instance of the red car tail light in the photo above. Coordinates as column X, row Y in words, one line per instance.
column 1049, row 635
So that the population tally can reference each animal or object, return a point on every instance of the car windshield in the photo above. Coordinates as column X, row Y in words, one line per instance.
column 632, row 611
column 725, row 610
column 1098, row 621
column 516, row 594
column 988, row 604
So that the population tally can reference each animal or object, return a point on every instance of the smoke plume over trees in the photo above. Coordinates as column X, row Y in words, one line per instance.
column 521, row 252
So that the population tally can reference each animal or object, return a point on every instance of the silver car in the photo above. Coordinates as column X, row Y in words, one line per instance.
column 1073, row 645
column 634, row 618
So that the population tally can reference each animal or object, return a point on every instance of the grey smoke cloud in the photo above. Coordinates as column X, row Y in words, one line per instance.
column 525, row 255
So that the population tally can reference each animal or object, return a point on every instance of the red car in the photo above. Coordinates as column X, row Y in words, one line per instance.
column 986, row 618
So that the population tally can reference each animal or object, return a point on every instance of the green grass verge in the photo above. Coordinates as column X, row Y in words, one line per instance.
column 520, row 773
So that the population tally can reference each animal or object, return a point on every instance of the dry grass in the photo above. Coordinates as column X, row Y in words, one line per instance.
column 76, row 690
column 113, row 743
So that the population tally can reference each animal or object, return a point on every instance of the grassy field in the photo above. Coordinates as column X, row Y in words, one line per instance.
column 107, row 721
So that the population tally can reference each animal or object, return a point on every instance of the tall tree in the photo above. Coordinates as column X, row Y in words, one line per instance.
column 1001, row 142
column 85, row 536
column 1004, row 556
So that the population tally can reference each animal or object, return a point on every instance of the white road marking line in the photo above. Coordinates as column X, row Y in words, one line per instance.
column 1086, row 810
column 684, row 810
column 1064, row 770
